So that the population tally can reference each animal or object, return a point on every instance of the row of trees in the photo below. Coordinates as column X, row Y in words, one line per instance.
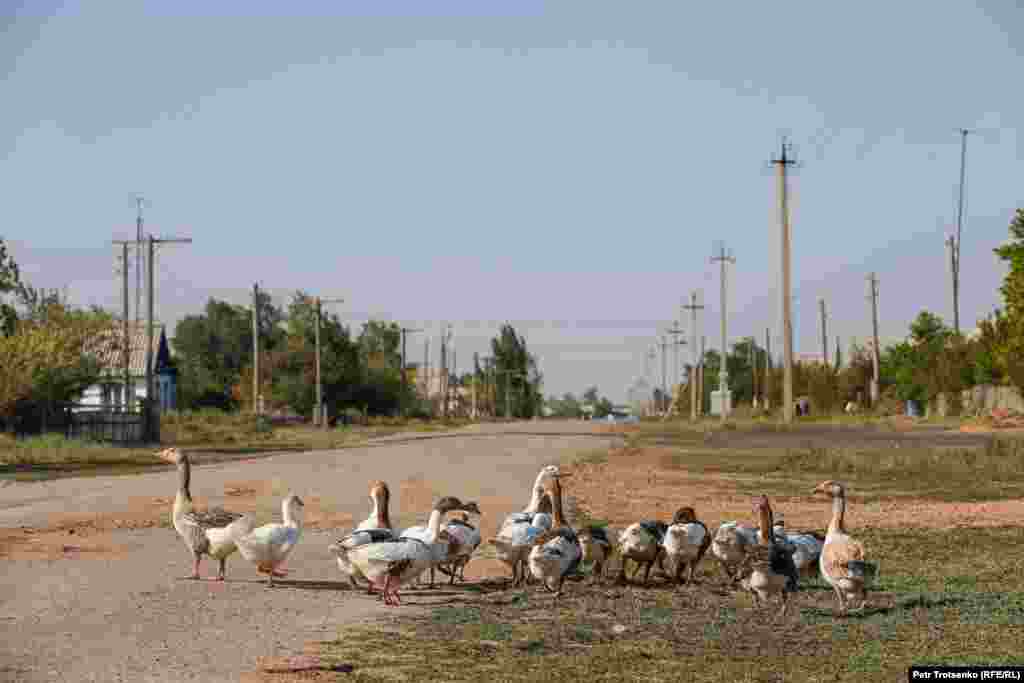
column 572, row 407
column 362, row 373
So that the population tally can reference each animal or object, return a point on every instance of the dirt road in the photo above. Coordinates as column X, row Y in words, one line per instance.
column 92, row 589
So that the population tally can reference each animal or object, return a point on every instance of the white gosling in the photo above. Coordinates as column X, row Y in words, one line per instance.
column 269, row 546
column 213, row 532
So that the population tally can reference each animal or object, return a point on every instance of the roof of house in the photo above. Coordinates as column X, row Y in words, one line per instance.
column 108, row 349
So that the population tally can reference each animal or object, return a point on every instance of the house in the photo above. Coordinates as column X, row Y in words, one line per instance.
column 108, row 392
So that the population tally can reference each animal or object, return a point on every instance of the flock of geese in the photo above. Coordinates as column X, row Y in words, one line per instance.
column 538, row 544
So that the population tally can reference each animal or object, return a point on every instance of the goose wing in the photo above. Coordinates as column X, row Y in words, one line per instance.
column 216, row 518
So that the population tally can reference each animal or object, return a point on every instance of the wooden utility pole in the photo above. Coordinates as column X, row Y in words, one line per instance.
column 140, row 260
column 426, row 371
column 839, row 357
column 873, row 296
column 767, row 368
column 783, row 163
column 723, row 370
column 693, row 307
column 319, row 418
column 824, row 334
column 256, row 349
column 401, row 401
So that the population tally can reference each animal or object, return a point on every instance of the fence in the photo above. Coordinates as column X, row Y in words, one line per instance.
column 78, row 421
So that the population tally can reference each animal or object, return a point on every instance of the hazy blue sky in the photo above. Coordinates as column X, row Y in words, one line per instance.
column 555, row 163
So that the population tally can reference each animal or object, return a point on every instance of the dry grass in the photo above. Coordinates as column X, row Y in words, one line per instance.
column 942, row 598
column 216, row 434
column 950, row 588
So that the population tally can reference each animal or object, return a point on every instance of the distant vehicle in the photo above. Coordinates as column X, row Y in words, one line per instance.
column 622, row 418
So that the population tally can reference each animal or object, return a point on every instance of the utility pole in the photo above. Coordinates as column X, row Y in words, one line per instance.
column 151, row 425
column 723, row 371
column 824, row 335
column 693, row 307
column 838, row 354
column 954, row 244
column 675, row 331
column 140, row 261
column 700, row 375
column 767, row 368
column 426, row 371
column 126, row 351
column 753, row 372
column 664, row 372
column 783, row 163
column 319, row 418
column 256, row 349
column 873, row 296
column 401, row 401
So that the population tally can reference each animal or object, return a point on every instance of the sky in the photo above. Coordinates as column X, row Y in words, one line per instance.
column 569, row 167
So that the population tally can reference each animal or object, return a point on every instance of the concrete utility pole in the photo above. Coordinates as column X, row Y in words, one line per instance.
column 426, row 370
column 140, row 261
column 256, row 349
column 664, row 372
column 319, row 418
column 126, row 350
column 824, row 335
column 446, row 336
column 153, row 423
column 401, row 402
column 700, row 376
column 783, row 163
column 723, row 371
column 873, row 296
column 693, row 307
column 753, row 372
column 767, row 368
column 675, row 331
column 954, row 245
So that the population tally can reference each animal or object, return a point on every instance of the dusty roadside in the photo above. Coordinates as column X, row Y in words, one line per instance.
column 93, row 589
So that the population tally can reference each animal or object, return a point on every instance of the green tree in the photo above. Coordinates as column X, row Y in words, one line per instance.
column 10, row 281
column 517, row 377
column 1008, row 328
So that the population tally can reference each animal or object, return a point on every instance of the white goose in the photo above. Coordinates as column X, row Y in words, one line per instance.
column 730, row 544
column 441, row 549
column 555, row 553
column 807, row 546
column 769, row 563
column 375, row 528
column 269, row 546
column 686, row 542
column 514, row 539
column 213, row 532
column 392, row 564
column 642, row 543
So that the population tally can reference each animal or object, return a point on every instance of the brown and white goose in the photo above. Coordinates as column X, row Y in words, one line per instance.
column 375, row 528
column 214, row 532
column 842, row 558
column 770, row 562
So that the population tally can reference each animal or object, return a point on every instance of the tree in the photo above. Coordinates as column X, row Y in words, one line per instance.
column 1009, row 328
column 48, row 361
column 517, row 378
column 10, row 281
column 212, row 349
